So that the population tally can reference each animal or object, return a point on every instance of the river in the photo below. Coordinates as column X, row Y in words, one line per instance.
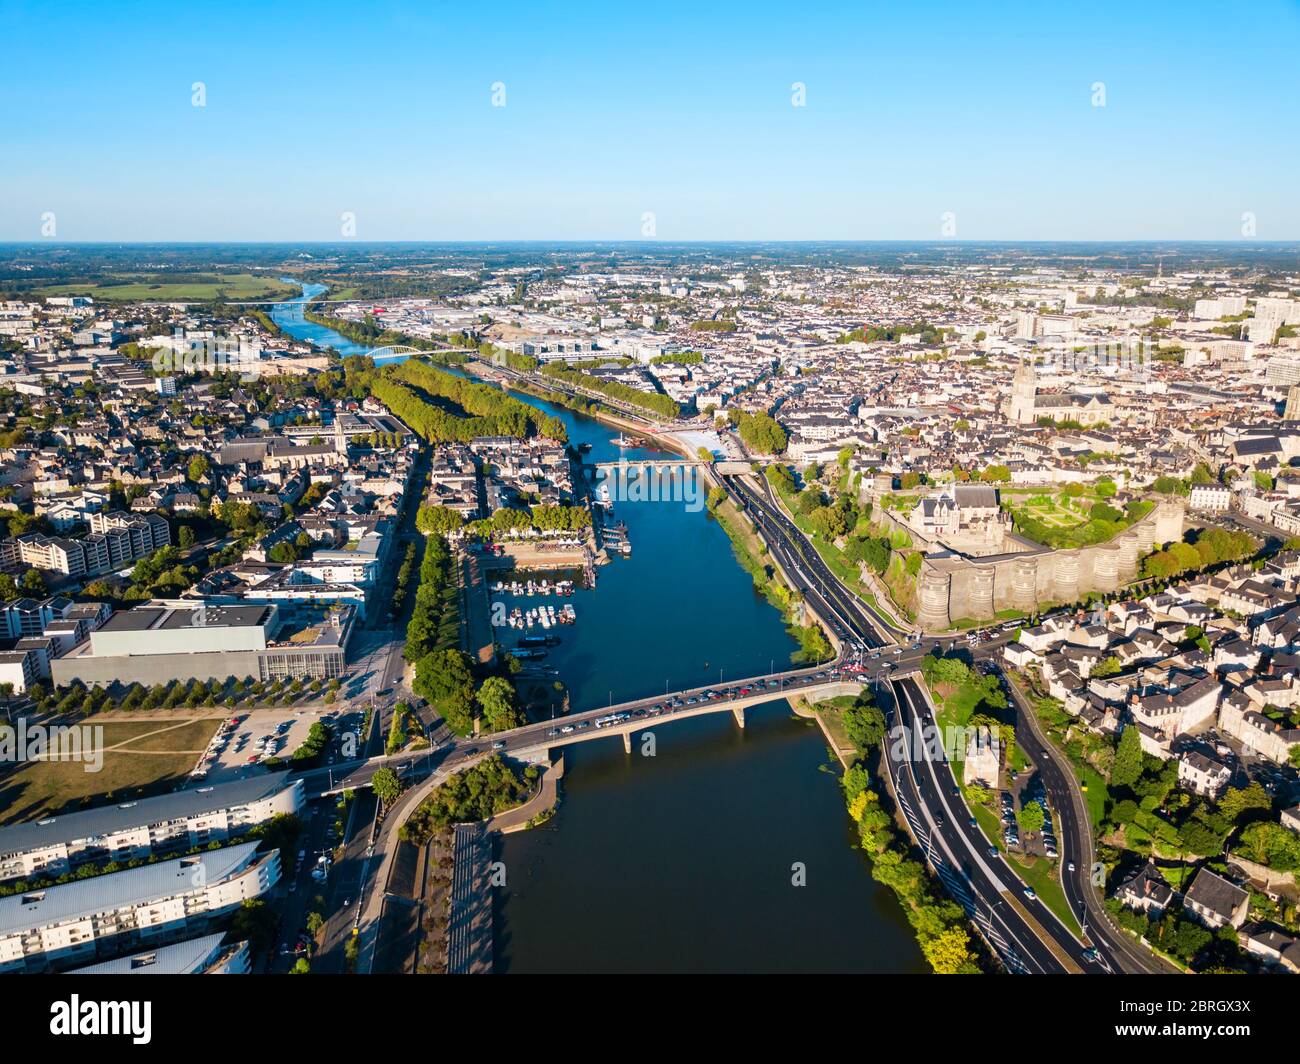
column 685, row 860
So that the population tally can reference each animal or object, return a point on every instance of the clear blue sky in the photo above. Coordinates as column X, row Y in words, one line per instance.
column 979, row 109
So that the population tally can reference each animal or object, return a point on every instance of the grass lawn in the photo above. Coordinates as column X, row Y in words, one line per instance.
column 741, row 529
column 1041, row 874
column 959, row 704
column 1058, row 519
column 830, row 712
column 1095, row 793
column 46, row 788
column 963, row 623
column 1179, row 875
column 192, row 735
column 989, row 824
column 204, row 288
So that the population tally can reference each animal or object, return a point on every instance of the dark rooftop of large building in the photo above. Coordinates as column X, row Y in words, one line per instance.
column 146, row 618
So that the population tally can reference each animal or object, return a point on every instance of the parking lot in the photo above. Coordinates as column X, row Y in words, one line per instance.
column 1029, row 789
column 253, row 742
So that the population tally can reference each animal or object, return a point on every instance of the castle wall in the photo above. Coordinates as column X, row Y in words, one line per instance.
column 956, row 588
column 932, row 598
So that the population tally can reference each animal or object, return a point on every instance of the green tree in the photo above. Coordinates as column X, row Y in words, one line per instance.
column 780, row 477
column 438, row 520
column 864, row 725
column 443, row 679
column 1030, row 817
column 761, row 433
column 255, row 921
column 1106, row 667
column 829, row 522
column 33, row 583
column 496, row 698
column 949, row 952
column 386, row 785
column 1127, row 767
column 1237, row 802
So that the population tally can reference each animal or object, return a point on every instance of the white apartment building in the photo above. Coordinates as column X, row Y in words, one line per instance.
column 205, row 955
column 1202, row 774
column 1212, row 497
column 137, row 829
column 1257, row 732
column 1172, row 714
column 557, row 348
column 76, row 922
column 1222, row 307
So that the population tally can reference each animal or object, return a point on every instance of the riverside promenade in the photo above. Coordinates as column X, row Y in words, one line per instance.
column 470, row 928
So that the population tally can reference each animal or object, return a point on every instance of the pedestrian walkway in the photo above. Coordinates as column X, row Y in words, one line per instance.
column 469, row 947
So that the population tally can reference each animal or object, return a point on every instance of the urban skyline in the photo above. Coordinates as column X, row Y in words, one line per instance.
column 702, row 490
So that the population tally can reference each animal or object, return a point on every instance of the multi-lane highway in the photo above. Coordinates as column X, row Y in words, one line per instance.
column 1025, row 933
column 1022, row 929
column 1067, row 802
column 806, row 569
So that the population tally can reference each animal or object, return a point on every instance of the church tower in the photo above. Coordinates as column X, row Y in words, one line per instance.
column 1024, row 392
column 1292, row 412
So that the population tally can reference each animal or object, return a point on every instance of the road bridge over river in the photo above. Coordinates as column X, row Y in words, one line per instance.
column 623, row 719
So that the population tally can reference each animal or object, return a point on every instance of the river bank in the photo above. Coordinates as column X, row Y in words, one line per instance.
column 723, row 850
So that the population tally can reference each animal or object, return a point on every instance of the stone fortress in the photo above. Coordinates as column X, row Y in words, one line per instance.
column 953, row 586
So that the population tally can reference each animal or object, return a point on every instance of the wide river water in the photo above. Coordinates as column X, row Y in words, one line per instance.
column 687, row 860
